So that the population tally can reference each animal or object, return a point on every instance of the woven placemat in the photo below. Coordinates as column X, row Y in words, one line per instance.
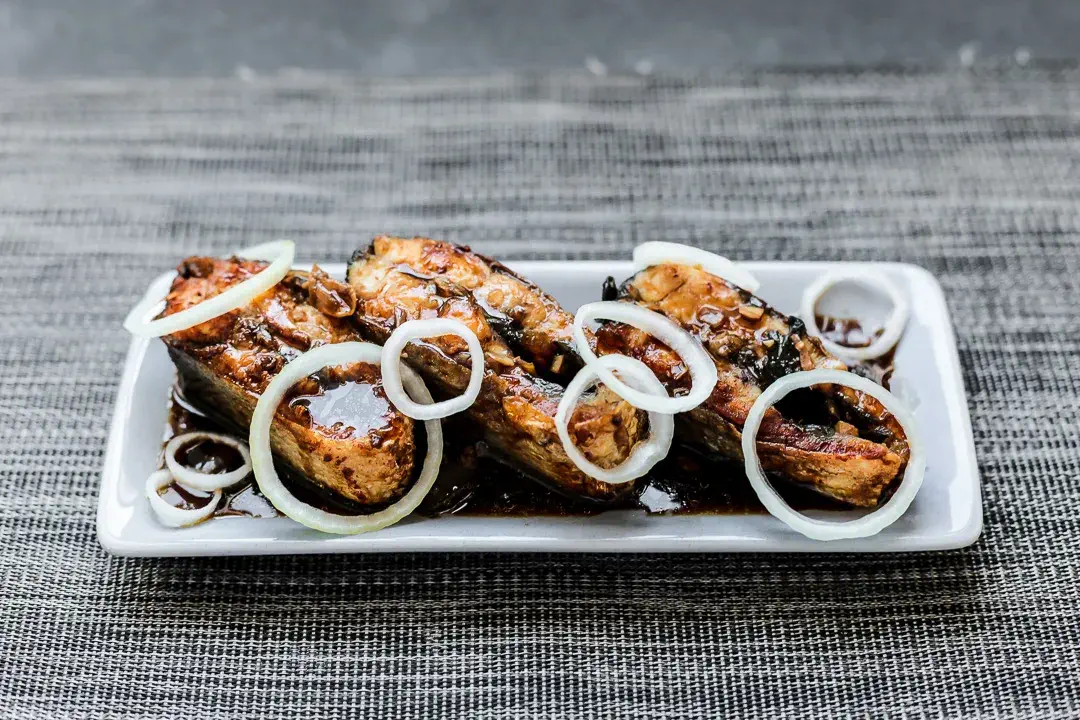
column 973, row 175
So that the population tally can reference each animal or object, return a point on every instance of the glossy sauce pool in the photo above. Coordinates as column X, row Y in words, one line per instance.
column 473, row 481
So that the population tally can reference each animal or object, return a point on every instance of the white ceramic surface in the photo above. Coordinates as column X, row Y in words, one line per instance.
column 946, row 514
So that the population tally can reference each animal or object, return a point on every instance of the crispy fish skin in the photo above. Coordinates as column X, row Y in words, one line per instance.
column 533, row 324
column 752, row 345
column 226, row 363
column 515, row 408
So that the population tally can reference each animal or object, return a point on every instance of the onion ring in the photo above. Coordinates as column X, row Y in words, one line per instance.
column 644, row 455
column 867, row 525
column 894, row 324
column 262, row 459
column 391, row 365
column 702, row 368
column 196, row 480
column 138, row 320
column 170, row 515
column 664, row 253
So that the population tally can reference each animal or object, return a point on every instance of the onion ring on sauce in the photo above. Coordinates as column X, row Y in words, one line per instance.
column 189, row 477
column 894, row 324
column 170, row 515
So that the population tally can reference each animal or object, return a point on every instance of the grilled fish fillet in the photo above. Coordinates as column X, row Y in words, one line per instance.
column 397, row 279
column 839, row 442
column 335, row 428
column 532, row 323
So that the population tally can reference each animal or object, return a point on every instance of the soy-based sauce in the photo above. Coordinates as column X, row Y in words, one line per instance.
column 475, row 481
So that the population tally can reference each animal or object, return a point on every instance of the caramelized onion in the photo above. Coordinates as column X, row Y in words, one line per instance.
column 138, row 321
column 262, row 459
column 867, row 525
column 702, row 368
column 664, row 253
column 391, row 365
column 644, row 455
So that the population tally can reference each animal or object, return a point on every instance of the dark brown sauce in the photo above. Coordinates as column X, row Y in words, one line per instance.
column 475, row 481
column 849, row 332
column 242, row 498
column 209, row 456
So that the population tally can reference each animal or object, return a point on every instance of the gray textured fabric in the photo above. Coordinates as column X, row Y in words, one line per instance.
column 973, row 176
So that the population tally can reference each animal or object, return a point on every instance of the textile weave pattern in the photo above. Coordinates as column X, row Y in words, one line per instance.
column 972, row 175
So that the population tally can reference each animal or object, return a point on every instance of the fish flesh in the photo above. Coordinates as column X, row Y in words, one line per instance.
column 335, row 430
column 836, row 441
column 401, row 279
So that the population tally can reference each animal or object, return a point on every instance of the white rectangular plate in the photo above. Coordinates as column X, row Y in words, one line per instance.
column 946, row 514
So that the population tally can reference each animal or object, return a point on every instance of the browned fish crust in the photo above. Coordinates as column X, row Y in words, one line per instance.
column 532, row 323
column 396, row 280
column 752, row 344
column 225, row 364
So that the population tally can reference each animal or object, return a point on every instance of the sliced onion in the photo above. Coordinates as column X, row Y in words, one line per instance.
column 700, row 363
column 262, row 459
column 867, row 525
column 894, row 324
column 663, row 253
column 189, row 477
column 391, row 365
column 644, row 455
column 138, row 321
column 170, row 515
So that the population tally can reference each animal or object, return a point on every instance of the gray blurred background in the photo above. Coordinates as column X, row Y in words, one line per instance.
column 402, row 37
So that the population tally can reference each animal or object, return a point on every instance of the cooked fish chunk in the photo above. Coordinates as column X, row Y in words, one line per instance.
column 532, row 323
column 336, row 428
column 516, row 409
column 839, row 442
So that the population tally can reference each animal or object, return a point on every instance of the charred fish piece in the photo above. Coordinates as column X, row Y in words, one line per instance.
column 532, row 323
column 839, row 442
column 335, row 429
column 397, row 280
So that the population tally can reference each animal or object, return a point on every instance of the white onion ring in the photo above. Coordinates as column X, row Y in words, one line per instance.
column 170, row 515
column 391, row 365
column 867, row 525
column 702, row 368
column 644, row 455
column 138, row 321
column 196, row 480
column 664, row 253
column 262, row 460
column 894, row 324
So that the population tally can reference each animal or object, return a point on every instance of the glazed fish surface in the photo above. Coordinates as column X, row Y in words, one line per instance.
column 531, row 323
column 336, row 429
column 839, row 442
column 400, row 279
